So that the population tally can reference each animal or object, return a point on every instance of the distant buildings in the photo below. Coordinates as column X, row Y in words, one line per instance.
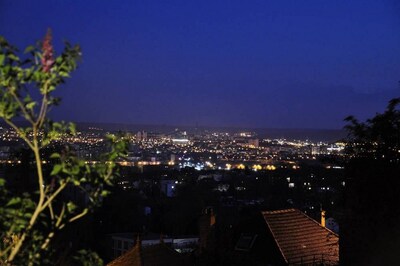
column 141, row 135
column 203, row 150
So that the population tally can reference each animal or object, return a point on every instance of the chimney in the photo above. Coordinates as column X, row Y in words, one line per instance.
column 138, row 241
column 212, row 217
column 206, row 222
column 322, row 218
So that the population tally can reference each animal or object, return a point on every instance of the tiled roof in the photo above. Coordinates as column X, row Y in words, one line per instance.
column 130, row 258
column 154, row 255
column 301, row 239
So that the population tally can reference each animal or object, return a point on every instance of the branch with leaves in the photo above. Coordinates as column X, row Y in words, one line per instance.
column 23, row 238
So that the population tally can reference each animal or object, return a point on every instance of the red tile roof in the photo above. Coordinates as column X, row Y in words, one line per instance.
column 301, row 239
column 154, row 255
column 130, row 258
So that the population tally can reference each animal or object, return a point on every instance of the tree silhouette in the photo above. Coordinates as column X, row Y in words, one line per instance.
column 369, row 232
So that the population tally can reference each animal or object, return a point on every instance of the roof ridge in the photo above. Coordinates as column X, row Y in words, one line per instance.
column 323, row 227
column 121, row 258
column 279, row 211
column 165, row 247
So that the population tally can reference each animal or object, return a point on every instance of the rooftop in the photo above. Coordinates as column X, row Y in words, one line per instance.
column 300, row 239
column 154, row 255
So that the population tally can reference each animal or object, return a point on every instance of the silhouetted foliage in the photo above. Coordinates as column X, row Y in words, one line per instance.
column 378, row 137
column 369, row 232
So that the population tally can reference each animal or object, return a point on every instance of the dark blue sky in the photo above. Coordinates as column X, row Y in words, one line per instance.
column 290, row 64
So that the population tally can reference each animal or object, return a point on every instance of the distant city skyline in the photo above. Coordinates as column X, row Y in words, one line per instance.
column 264, row 64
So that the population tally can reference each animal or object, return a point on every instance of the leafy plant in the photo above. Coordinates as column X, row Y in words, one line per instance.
column 377, row 137
column 29, row 220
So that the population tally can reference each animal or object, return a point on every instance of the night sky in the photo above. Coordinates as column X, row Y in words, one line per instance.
column 275, row 64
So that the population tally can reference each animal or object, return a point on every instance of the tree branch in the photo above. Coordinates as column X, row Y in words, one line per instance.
column 43, row 108
column 21, row 105
column 51, row 198
column 59, row 219
column 19, row 132
column 83, row 213
column 51, row 211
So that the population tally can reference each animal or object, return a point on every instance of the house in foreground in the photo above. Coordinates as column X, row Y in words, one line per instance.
column 300, row 239
column 280, row 237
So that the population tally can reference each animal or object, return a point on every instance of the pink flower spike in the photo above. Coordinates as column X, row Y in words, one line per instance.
column 48, row 52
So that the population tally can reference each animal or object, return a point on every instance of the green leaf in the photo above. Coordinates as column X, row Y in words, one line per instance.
column 2, row 57
column 76, row 182
column 29, row 49
column 51, row 88
column 27, row 215
column 105, row 193
column 55, row 155
column 71, row 206
column 30, row 105
column 72, row 128
column 27, row 99
column 56, row 169
column 13, row 57
column 13, row 201
column 64, row 74
column 2, row 182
